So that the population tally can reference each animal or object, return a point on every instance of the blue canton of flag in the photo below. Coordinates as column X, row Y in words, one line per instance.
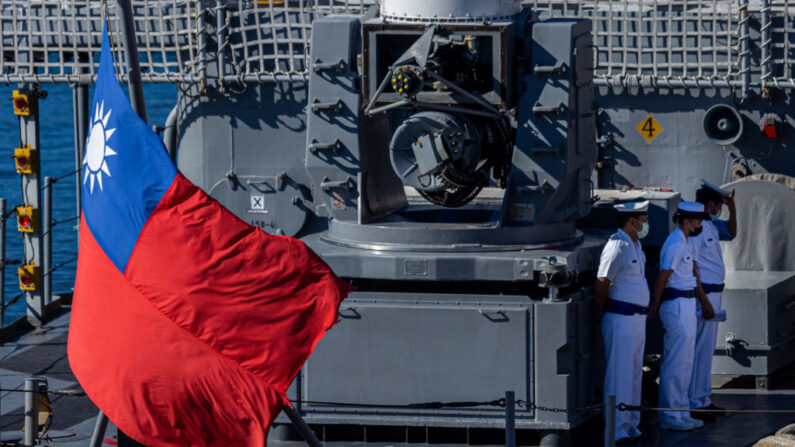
column 126, row 169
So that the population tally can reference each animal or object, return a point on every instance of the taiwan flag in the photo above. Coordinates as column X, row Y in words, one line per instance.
column 188, row 325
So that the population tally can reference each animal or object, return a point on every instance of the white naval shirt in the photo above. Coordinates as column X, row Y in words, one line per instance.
column 677, row 255
column 623, row 263
column 708, row 254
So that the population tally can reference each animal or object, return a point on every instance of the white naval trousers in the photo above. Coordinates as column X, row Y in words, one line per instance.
column 678, row 317
column 706, row 333
column 625, row 338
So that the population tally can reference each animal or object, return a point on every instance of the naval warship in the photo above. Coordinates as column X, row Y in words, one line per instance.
column 458, row 161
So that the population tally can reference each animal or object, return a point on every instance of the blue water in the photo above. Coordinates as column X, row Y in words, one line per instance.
column 57, row 159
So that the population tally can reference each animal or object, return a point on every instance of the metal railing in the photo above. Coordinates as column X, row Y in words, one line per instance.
column 638, row 43
column 48, row 224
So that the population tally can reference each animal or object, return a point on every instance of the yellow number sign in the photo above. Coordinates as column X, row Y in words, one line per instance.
column 649, row 128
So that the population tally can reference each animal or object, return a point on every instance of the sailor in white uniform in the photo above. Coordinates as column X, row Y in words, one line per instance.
column 711, row 272
column 622, row 299
column 675, row 291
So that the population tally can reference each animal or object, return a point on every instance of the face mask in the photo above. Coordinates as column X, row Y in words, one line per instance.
column 696, row 232
column 714, row 216
column 644, row 231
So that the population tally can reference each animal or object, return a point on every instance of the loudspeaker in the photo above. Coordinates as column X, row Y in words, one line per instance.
column 723, row 124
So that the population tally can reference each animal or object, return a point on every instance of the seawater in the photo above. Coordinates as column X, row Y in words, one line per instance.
column 57, row 160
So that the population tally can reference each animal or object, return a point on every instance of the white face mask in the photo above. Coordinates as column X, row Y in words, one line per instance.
column 644, row 231
column 714, row 216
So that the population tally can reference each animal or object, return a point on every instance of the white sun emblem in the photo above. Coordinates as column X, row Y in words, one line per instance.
column 97, row 148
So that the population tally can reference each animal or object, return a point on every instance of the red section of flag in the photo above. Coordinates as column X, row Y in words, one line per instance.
column 196, row 344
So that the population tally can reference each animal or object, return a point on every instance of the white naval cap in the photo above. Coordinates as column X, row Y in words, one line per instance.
column 633, row 207
column 691, row 207
column 715, row 188
column 690, row 210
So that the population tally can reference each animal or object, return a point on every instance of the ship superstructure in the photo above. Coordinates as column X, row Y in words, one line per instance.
column 456, row 160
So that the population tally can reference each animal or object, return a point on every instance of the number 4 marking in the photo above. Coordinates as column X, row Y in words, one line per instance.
column 649, row 128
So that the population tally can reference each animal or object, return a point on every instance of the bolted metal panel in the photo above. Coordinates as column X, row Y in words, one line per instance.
column 391, row 348
column 757, row 337
column 401, row 348
column 563, row 344
column 332, row 150
column 255, row 166
column 553, row 155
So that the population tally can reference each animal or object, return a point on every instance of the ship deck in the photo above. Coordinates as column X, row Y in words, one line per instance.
column 42, row 352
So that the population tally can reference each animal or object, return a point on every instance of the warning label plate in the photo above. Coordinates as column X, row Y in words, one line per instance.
column 649, row 128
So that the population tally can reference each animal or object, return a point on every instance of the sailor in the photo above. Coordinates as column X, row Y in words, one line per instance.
column 675, row 290
column 622, row 299
column 711, row 271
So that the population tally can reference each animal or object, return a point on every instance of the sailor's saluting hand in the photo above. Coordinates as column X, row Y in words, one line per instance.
column 729, row 200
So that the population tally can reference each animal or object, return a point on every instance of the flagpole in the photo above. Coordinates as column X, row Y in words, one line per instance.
column 131, row 56
column 301, row 426
column 137, row 101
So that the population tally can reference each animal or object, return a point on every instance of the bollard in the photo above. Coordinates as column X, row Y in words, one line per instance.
column 2, row 263
column 46, row 239
column 510, row 419
column 33, row 386
column 610, row 421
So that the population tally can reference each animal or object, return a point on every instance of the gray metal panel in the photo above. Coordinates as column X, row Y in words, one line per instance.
column 560, row 358
column 554, row 148
column 517, row 265
column 759, row 315
column 393, row 349
column 247, row 151
column 682, row 153
column 333, row 117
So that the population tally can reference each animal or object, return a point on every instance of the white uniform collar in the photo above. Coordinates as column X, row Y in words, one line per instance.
column 623, row 234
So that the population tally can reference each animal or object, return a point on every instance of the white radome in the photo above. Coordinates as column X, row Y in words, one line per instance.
column 97, row 148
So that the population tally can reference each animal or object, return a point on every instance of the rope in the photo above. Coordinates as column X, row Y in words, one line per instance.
column 60, row 265
column 68, row 174
column 11, row 212
column 55, row 180
column 58, row 222
column 14, row 299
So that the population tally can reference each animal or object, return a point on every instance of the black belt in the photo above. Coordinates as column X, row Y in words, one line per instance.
column 672, row 294
column 624, row 308
column 712, row 288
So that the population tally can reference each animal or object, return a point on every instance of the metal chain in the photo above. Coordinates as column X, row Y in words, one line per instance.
column 626, row 407
column 423, row 405
column 597, row 408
